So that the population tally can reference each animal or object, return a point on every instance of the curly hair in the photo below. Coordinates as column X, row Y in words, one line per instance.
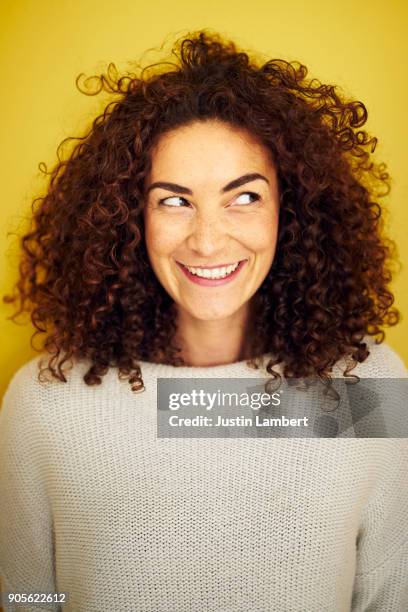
column 84, row 274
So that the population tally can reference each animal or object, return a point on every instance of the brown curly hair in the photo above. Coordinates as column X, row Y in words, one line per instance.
column 84, row 271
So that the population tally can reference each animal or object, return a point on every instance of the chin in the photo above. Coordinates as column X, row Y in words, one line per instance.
column 213, row 314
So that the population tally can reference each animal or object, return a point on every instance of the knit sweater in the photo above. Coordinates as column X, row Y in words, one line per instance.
column 93, row 504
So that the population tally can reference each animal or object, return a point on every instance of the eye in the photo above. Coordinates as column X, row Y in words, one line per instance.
column 172, row 201
column 255, row 197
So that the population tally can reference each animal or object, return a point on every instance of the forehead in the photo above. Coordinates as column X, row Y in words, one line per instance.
column 211, row 148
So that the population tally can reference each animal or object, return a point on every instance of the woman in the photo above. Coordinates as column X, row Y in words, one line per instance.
column 217, row 221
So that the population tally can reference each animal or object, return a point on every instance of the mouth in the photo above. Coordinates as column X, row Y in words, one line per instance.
column 212, row 275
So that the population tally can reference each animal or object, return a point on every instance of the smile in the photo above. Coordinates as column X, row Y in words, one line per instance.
column 214, row 275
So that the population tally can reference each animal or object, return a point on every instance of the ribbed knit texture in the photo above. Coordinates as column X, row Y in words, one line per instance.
column 94, row 505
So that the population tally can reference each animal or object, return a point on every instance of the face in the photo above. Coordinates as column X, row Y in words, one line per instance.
column 211, row 218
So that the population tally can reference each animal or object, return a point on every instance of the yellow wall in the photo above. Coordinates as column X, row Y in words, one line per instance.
column 45, row 44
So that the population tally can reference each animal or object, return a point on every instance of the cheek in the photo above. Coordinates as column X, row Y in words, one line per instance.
column 161, row 240
column 260, row 235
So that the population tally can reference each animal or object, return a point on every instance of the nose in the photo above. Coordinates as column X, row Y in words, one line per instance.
column 208, row 235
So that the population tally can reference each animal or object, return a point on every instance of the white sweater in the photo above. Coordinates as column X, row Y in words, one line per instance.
column 94, row 505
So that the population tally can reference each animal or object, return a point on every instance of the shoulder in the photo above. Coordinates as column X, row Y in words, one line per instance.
column 382, row 362
column 23, row 385
column 36, row 396
column 21, row 407
column 32, row 379
column 34, row 376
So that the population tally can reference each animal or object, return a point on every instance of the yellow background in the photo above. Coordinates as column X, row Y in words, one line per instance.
column 44, row 44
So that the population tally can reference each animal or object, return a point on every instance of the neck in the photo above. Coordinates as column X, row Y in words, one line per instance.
column 212, row 343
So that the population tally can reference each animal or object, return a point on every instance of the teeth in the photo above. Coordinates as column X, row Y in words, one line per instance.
column 214, row 272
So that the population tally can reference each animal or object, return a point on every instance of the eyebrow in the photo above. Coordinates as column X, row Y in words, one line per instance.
column 242, row 180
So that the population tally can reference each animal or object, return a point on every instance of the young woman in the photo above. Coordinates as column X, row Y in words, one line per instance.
column 219, row 220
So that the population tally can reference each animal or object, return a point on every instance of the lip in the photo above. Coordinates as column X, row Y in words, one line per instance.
column 224, row 265
column 211, row 282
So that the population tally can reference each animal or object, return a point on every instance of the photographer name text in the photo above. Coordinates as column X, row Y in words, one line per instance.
column 238, row 421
